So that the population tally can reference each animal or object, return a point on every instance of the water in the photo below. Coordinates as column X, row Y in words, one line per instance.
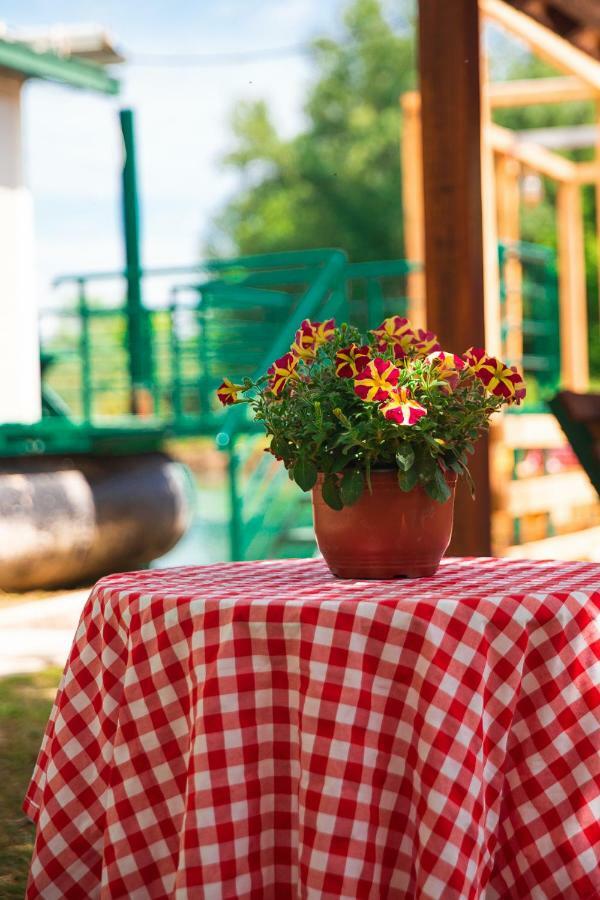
column 206, row 540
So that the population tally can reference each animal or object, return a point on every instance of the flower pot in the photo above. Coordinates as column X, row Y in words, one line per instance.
column 387, row 533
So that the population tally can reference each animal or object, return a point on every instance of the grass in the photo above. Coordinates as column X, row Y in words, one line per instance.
column 25, row 703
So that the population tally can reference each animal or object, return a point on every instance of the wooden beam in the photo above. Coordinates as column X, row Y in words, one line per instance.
column 491, row 263
column 572, row 291
column 508, row 204
column 578, row 545
column 412, row 203
column 544, row 42
column 532, row 91
column 531, row 431
column 548, row 493
column 586, row 12
column 450, row 108
column 588, row 173
column 596, row 182
column 503, row 140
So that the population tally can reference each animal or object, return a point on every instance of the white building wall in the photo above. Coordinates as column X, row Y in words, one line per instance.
column 19, row 345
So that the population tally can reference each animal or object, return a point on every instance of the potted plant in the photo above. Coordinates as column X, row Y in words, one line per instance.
column 379, row 427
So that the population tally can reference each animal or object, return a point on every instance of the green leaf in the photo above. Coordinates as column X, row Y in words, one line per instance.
column 427, row 466
column 305, row 474
column 331, row 493
column 405, row 458
column 438, row 488
column 408, row 480
column 352, row 486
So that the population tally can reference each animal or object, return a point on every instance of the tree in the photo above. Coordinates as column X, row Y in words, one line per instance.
column 336, row 184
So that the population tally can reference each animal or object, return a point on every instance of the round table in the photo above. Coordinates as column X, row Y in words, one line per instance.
column 265, row 730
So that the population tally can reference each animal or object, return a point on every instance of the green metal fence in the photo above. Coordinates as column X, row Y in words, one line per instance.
column 229, row 317
column 538, row 290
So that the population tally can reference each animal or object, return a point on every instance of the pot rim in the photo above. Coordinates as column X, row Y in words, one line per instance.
column 451, row 477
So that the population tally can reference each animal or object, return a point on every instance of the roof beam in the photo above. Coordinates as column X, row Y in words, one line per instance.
column 75, row 72
column 530, row 91
column 545, row 43
column 503, row 140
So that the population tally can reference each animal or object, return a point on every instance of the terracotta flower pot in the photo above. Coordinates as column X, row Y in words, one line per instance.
column 388, row 533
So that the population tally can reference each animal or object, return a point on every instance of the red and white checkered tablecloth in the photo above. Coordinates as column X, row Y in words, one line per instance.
column 264, row 730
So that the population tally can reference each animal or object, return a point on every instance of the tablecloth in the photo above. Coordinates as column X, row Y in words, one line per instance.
column 265, row 730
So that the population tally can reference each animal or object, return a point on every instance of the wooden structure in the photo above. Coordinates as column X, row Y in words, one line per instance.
column 466, row 196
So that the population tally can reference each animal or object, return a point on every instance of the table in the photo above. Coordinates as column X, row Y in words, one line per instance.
column 265, row 730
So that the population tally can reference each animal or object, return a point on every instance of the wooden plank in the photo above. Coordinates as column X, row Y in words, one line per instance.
column 547, row 493
column 573, row 304
column 491, row 267
column 578, row 545
column 532, row 91
column 505, row 141
column 587, row 12
column 450, row 111
column 596, row 182
column 531, row 431
column 508, row 204
column 412, row 203
column 588, row 173
column 544, row 42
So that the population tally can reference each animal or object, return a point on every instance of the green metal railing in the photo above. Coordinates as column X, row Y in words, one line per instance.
column 540, row 327
column 231, row 317
column 199, row 323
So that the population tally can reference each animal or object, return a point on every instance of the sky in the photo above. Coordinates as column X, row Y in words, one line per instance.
column 72, row 142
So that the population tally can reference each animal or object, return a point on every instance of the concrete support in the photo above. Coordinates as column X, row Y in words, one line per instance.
column 20, row 399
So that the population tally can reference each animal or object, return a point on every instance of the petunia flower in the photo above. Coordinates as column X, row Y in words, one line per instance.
column 402, row 409
column 497, row 378
column 520, row 389
column 310, row 336
column 228, row 392
column 349, row 361
column 425, row 342
column 281, row 372
column 377, row 380
column 395, row 330
column 398, row 350
column 447, row 368
column 474, row 357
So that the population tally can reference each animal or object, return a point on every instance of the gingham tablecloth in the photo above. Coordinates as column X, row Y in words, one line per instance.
column 264, row 730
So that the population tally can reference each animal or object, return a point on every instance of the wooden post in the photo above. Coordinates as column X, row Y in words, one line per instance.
column 573, row 305
column 508, row 204
column 450, row 115
column 491, row 269
column 597, row 192
column 412, row 202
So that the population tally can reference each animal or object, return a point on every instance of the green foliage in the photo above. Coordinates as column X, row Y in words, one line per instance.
column 338, row 182
column 318, row 422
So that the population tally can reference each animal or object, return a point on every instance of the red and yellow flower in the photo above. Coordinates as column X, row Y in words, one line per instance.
column 448, row 367
column 474, row 357
column 396, row 332
column 349, row 361
column 228, row 392
column 402, row 409
column 310, row 336
column 281, row 372
column 377, row 381
column 497, row 378
column 520, row 389
column 425, row 342
column 398, row 351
